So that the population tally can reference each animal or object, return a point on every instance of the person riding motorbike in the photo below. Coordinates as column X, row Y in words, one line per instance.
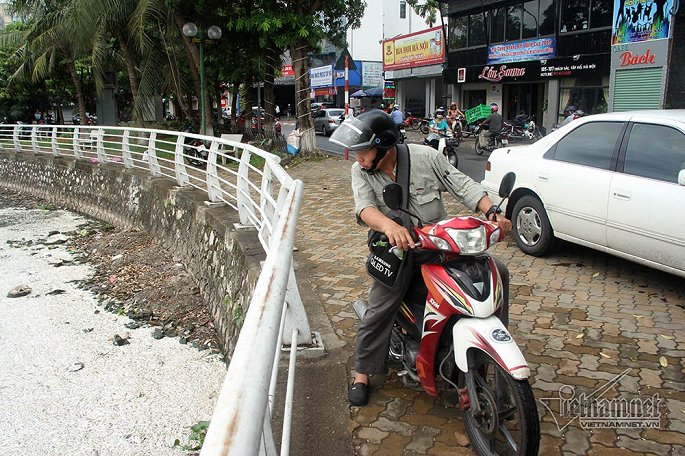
column 372, row 136
column 453, row 117
column 397, row 116
column 494, row 122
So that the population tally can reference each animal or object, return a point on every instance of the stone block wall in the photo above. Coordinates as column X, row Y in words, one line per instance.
column 224, row 261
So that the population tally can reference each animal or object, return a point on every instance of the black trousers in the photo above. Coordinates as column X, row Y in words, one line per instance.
column 373, row 335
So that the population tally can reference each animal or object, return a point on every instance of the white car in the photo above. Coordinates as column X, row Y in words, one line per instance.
column 613, row 182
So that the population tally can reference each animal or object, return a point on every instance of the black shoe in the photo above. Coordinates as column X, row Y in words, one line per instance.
column 358, row 394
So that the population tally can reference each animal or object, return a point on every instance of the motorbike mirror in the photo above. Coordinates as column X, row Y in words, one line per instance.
column 392, row 196
column 507, row 184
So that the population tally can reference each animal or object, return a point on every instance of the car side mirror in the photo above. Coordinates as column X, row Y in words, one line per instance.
column 681, row 177
column 507, row 185
column 392, row 196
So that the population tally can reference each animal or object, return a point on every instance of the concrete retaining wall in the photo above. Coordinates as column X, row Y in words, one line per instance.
column 224, row 261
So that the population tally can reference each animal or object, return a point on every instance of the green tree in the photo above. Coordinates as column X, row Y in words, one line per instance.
column 50, row 36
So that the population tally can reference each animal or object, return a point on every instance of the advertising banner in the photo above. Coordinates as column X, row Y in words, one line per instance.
column 416, row 49
column 389, row 90
column 321, row 76
column 372, row 74
column 641, row 20
column 519, row 51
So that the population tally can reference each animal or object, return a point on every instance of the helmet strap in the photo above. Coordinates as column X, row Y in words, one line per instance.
column 380, row 154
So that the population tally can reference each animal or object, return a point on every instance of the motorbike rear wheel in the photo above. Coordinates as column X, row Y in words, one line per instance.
column 452, row 157
column 479, row 149
column 415, row 124
column 424, row 128
column 509, row 423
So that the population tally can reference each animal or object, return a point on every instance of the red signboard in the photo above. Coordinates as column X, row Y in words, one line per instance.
column 416, row 49
column 287, row 70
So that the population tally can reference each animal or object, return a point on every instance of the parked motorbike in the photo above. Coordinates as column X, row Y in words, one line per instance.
column 446, row 144
column 194, row 150
column 522, row 128
column 449, row 340
column 410, row 120
column 500, row 140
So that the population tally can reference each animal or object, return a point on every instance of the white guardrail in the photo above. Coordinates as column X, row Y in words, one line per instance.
column 252, row 182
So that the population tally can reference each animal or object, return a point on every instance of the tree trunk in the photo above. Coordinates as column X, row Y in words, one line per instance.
column 132, row 76
column 78, row 88
column 303, row 116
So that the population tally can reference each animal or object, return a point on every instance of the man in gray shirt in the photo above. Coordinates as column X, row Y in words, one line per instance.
column 372, row 136
column 494, row 123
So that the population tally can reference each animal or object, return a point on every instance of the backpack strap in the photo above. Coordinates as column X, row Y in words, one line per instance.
column 403, row 171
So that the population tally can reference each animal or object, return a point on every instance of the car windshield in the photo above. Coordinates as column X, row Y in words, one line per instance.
column 335, row 112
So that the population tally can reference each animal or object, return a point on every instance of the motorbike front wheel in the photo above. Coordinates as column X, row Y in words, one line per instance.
column 508, row 422
column 424, row 128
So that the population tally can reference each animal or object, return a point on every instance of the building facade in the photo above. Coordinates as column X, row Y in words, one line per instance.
column 537, row 56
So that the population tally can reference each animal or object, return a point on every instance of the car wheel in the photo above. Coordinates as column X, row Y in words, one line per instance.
column 532, row 230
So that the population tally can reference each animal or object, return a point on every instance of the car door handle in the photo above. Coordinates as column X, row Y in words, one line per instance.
column 622, row 194
column 543, row 177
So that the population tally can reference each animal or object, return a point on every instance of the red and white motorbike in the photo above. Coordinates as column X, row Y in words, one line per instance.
column 449, row 340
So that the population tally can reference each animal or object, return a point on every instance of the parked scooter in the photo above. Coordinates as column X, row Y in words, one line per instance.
column 446, row 144
column 194, row 149
column 449, row 340
column 500, row 140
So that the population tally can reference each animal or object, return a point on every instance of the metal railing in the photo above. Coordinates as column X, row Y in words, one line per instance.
column 252, row 182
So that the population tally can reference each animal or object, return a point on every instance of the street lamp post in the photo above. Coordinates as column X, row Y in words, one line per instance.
column 190, row 30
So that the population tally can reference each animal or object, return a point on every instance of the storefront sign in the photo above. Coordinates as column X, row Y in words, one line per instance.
column 643, row 54
column 372, row 74
column 627, row 58
column 389, row 90
column 416, row 49
column 535, row 70
column 519, row 51
column 461, row 75
column 641, row 20
column 500, row 73
column 287, row 70
column 323, row 91
column 321, row 76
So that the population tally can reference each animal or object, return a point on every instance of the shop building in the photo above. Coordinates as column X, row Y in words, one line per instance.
column 647, row 46
column 414, row 63
column 537, row 56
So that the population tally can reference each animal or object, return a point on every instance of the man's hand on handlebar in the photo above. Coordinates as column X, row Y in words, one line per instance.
column 503, row 222
column 400, row 236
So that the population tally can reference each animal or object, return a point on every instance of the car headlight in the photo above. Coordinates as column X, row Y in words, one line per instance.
column 470, row 242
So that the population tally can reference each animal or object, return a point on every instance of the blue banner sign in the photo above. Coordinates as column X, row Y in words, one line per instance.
column 523, row 50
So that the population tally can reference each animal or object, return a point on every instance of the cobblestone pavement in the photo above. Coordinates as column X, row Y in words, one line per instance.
column 581, row 318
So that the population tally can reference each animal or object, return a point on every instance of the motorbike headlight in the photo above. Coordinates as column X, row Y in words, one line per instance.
column 440, row 243
column 470, row 242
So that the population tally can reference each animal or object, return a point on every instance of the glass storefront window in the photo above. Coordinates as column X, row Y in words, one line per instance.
column 601, row 13
column 575, row 15
column 530, row 19
column 457, row 32
column 513, row 30
column 477, row 34
column 497, row 25
column 547, row 17
column 589, row 94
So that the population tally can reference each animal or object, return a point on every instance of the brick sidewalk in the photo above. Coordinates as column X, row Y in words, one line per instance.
column 580, row 317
